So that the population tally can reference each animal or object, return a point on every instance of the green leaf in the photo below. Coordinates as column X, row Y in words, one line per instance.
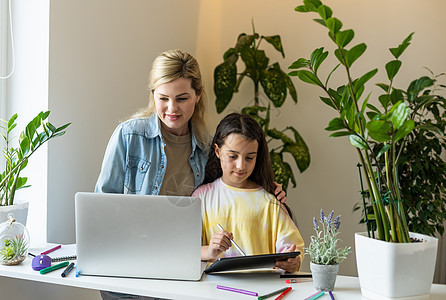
column 291, row 88
column 404, row 130
column 300, row 63
column 343, row 38
column 231, row 56
column 62, row 127
column 383, row 150
column 276, row 42
column 363, row 79
column 11, row 121
column 340, row 55
column 357, row 142
column 334, row 25
column 282, row 173
column 274, row 86
column 396, row 95
column 396, row 52
column 340, row 133
column 417, row 86
column 24, row 146
column 354, row 53
column 313, row 5
column 399, row 115
column 320, row 21
column 224, row 83
column 379, row 130
column 327, row 101
column 325, row 12
column 244, row 41
column 336, row 124
column 302, row 8
column 299, row 151
column 316, row 58
column 51, row 127
column 383, row 86
column 392, row 68
column 384, row 100
column 308, row 77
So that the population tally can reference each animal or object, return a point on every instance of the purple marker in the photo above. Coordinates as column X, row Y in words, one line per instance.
column 226, row 288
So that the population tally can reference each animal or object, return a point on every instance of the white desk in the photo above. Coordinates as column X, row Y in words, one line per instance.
column 347, row 288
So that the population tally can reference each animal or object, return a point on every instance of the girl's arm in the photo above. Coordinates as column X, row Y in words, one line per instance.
column 220, row 242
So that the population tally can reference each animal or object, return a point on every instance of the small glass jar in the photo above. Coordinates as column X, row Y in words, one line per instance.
column 14, row 242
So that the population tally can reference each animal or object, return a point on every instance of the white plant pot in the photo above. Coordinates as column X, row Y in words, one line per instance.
column 19, row 210
column 395, row 270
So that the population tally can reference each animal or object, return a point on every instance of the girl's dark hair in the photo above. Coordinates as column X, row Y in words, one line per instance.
column 246, row 126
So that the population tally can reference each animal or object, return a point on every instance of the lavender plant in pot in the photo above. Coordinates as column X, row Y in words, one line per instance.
column 325, row 255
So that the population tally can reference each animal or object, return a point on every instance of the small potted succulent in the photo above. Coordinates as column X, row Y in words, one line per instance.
column 324, row 252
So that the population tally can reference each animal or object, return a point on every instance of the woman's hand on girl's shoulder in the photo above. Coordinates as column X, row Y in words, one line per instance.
column 280, row 193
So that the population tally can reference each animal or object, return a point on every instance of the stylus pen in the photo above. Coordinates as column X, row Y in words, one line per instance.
column 236, row 246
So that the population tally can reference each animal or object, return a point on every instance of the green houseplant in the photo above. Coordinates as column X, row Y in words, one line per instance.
column 325, row 255
column 36, row 133
column 275, row 84
column 385, row 268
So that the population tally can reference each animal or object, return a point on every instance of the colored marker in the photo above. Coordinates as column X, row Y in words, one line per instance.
column 226, row 288
column 292, row 280
column 51, row 250
column 283, row 294
column 55, row 267
column 315, row 296
column 272, row 294
column 331, row 295
column 236, row 246
column 67, row 270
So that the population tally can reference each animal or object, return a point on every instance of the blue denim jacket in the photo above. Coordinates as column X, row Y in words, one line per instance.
column 134, row 161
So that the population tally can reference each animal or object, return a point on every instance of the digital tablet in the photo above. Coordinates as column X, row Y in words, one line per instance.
column 248, row 262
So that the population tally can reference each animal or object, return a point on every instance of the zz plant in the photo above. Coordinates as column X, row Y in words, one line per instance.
column 36, row 133
column 379, row 135
column 275, row 83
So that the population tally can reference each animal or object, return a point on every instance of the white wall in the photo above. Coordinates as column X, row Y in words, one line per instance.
column 100, row 57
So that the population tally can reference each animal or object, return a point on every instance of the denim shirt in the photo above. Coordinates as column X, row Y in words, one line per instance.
column 135, row 161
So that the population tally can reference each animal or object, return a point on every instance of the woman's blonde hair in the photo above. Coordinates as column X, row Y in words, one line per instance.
column 171, row 65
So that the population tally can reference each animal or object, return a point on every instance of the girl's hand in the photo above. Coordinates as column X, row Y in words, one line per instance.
column 280, row 193
column 291, row 264
column 220, row 242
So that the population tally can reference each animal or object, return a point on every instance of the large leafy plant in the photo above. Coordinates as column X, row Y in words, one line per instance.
column 275, row 84
column 368, row 127
column 36, row 133
column 421, row 169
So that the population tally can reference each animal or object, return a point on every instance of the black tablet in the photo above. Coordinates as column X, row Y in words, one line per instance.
column 248, row 262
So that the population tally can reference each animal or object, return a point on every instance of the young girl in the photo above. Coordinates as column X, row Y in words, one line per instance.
column 237, row 193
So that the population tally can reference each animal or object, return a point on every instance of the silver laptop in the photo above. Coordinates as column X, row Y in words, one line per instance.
column 138, row 236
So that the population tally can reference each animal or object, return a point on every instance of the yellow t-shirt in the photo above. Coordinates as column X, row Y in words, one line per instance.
column 260, row 225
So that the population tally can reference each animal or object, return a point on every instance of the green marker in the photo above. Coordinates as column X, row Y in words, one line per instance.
column 272, row 294
column 55, row 267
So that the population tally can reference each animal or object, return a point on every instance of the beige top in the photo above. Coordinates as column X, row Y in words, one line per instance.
column 179, row 177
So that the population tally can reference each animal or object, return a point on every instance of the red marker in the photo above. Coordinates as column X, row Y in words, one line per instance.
column 292, row 281
column 283, row 294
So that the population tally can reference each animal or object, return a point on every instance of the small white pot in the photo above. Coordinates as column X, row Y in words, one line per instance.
column 395, row 270
column 19, row 210
column 324, row 276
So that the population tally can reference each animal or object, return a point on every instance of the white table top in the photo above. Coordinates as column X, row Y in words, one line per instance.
column 346, row 288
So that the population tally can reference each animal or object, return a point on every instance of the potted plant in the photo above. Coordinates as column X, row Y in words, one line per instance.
column 275, row 84
column 36, row 133
column 325, row 255
column 366, row 126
